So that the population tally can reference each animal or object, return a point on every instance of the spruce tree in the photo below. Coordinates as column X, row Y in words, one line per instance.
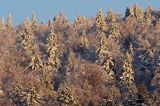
column 36, row 62
column 114, row 32
column 127, row 69
column 66, row 96
column 110, row 16
column 25, row 36
column 26, row 96
column 52, row 50
column 9, row 21
column 79, row 21
column 103, row 50
column 83, row 40
column 2, row 23
column 109, row 67
column 128, row 76
column 148, row 15
column 71, row 63
column 129, row 12
column 100, row 22
column 34, row 24
column 136, row 11
column 50, row 23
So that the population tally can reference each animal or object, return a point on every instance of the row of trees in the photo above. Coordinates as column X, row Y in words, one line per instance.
column 100, row 61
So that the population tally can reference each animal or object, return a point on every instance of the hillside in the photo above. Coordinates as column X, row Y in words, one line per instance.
column 105, row 60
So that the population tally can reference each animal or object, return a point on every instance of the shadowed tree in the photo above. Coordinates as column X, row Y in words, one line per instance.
column 50, row 23
column 110, row 16
column 129, row 12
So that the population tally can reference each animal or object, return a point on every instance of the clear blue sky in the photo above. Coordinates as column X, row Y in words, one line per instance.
column 71, row 8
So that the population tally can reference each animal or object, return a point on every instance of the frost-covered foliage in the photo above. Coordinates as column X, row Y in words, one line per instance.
column 106, row 60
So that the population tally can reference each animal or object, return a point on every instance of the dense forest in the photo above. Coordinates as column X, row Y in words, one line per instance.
column 106, row 60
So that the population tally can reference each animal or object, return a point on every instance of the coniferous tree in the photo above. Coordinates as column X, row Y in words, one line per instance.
column 109, row 66
column 148, row 15
column 128, row 76
column 2, row 23
column 83, row 40
column 9, row 21
column 79, row 21
column 36, row 62
column 103, row 50
column 26, row 96
column 52, row 50
column 100, row 22
column 25, row 37
column 34, row 24
column 50, row 23
column 110, row 16
column 136, row 11
column 146, row 57
column 114, row 32
column 66, row 96
column 71, row 61
column 129, row 12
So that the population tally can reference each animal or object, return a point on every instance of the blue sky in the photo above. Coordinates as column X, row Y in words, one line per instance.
column 71, row 8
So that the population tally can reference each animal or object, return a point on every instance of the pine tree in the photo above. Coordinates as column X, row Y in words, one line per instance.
column 129, row 12
column 148, row 15
column 26, row 96
column 71, row 63
column 27, row 23
column 128, row 76
column 79, row 21
column 66, row 97
column 114, row 32
column 83, row 40
column 25, row 37
column 2, row 23
column 136, row 10
column 103, row 50
column 52, row 50
column 110, row 16
column 146, row 57
column 50, row 23
column 9, row 21
column 34, row 22
column 109, row 66
column 65, row 20
column 100, row 22
column 36, row 62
